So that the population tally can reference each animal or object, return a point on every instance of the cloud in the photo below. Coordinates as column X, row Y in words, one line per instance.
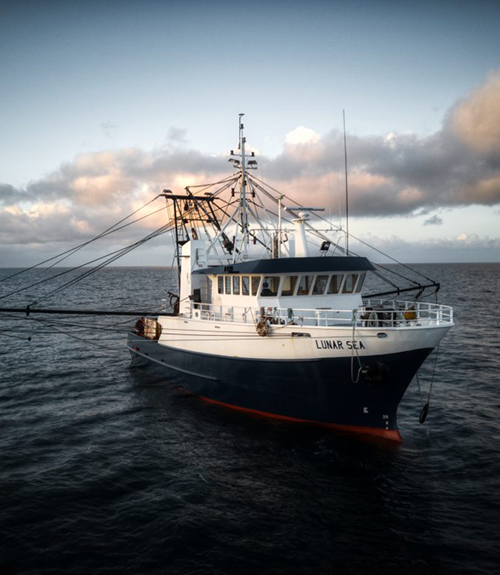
column 89, row 194
column 458, row 165
column 389, row 175
column 177, row 135
column 434, row 221
column 476, row 119
column 9, row 195
column 464, row 247
column 301, row 135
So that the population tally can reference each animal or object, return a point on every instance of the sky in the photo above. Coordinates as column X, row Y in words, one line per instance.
column 106, row 103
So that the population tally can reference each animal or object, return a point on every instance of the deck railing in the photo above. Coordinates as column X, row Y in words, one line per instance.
column 374, row 313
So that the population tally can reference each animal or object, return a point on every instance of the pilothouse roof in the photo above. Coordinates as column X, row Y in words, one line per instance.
column 293, row 266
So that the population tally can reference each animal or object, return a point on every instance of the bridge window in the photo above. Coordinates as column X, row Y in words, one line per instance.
column 245, row 285
column 270, row 286
column 228, row 284
column 289, row 284
column 320, row 285
column 360, row 283
column 350, row 283
column 305, row 285
column 334, row 285
column 255, row 284
column 236, row 285
column 220, row 284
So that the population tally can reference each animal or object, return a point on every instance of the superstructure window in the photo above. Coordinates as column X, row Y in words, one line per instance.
column 228, row 284
column 255, row 284
column 220, row 284
column 320, row 285
column 334, row 285
column 350, row 283
column 236, row 285
column 245, row 285
column 360, row 283
column 270, row 286
column 305, row 285
column 289, row 284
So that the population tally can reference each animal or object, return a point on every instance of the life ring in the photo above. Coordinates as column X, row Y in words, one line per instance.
column 194, row 234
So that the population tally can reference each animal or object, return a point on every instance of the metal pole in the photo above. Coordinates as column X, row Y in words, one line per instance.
column 243, row 199
column 346, row 191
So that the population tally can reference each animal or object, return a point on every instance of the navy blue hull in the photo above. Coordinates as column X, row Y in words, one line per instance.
column 319, row 390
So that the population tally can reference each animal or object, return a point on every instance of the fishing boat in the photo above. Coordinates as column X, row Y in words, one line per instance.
column 270, row 316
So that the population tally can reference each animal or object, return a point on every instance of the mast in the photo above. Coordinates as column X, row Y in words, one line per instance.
column 243, row 192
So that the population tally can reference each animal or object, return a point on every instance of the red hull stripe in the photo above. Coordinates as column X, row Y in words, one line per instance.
column 390, row 434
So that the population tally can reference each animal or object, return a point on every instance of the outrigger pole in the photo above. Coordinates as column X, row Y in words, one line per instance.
column 28, row 311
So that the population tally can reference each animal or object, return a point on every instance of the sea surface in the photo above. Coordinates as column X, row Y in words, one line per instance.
column 108, row 468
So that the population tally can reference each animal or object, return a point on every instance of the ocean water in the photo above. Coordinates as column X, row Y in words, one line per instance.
column 107, row 468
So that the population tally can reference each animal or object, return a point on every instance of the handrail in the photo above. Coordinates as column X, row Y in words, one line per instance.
column 374, row 313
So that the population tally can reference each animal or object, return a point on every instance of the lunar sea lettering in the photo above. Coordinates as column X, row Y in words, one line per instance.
column 337, row 344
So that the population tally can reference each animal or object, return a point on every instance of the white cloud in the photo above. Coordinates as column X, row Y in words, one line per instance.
column 301, row 135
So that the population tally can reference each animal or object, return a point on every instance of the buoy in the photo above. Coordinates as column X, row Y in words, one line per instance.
column 423, row 413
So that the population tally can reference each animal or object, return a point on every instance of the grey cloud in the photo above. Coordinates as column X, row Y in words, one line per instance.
column 417, row 173
column 9, row 195
column 177, row 135
column 433, row 221
column 463, row 248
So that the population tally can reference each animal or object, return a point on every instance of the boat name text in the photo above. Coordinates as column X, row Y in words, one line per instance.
column 336, row 344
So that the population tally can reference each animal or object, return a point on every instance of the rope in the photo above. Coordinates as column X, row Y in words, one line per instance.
column 113, row 256
column 124, row 250
column 77, row 248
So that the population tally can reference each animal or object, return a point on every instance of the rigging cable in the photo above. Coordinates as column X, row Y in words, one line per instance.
column 77, row 248
column 113, row 257
column 69, row 270
column 356, row 238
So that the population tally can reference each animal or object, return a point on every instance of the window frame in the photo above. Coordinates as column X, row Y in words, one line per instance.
column 255, row 292
column 310, row 285
column 243, row 284
column 236, row 285
column 325, row 286
column 296, row 277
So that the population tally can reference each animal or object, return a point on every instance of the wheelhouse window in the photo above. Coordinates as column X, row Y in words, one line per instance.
column 305, row 284
column 289, row 284
column 220, row 284
column 320, row 285
column 228, row 284
column 334, row 285
column 236, row 285
column 270, row 285
column 350, row 283
column 245, row 285
column 360, row 283
column 255, row 284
